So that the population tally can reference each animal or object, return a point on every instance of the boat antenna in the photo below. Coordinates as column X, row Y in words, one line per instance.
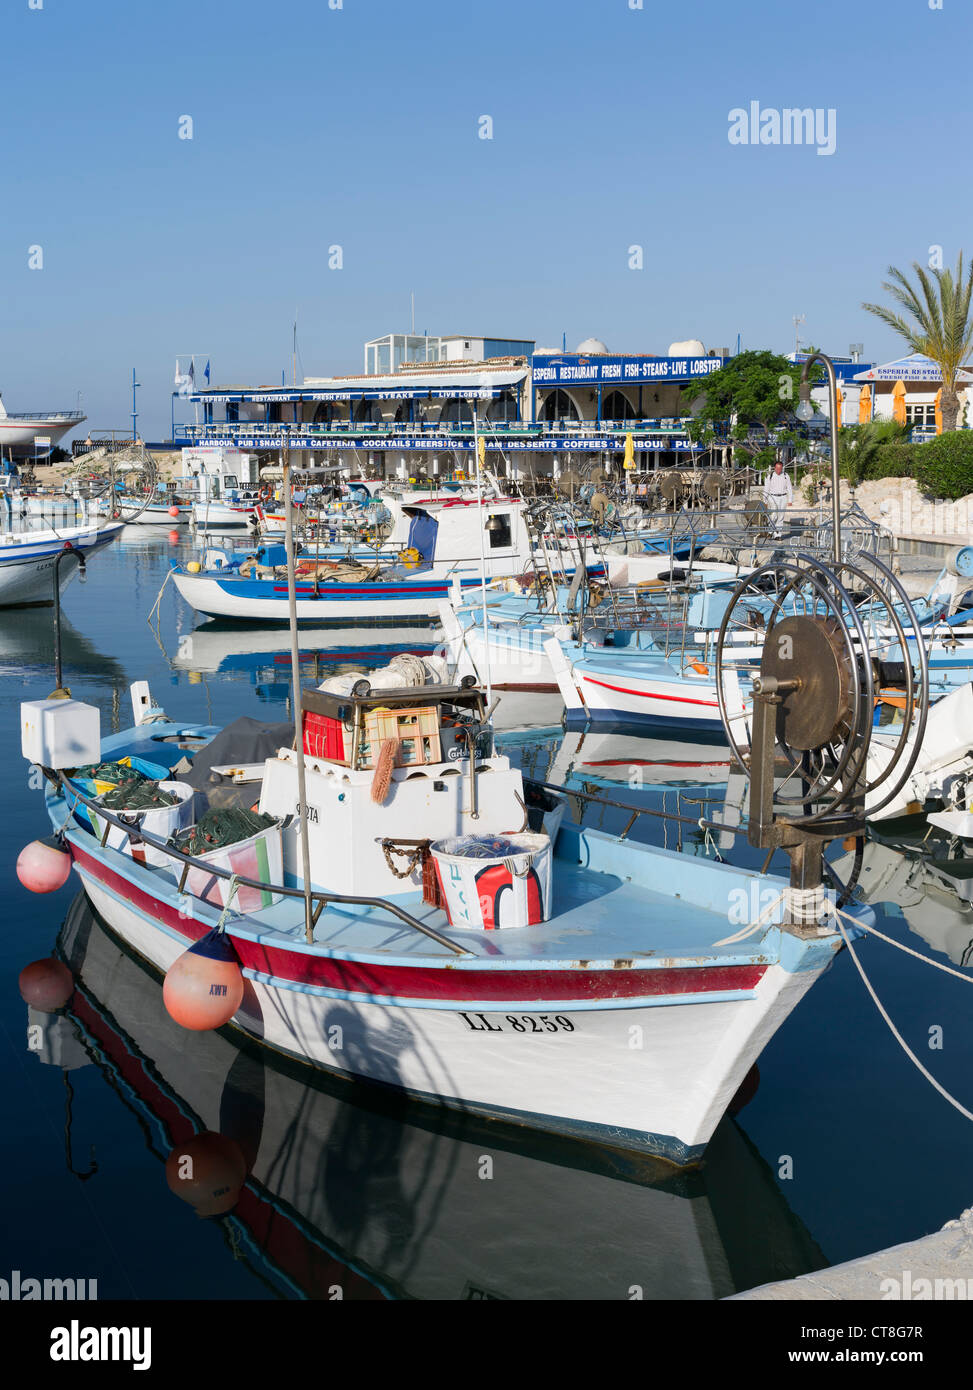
column 482, row 529
column 296, row 686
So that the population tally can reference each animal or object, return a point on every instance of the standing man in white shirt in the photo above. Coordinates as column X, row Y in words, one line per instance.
column 778, row 495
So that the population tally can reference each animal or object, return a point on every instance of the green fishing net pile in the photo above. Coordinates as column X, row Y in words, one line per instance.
column 133, row 790
column 219, row 827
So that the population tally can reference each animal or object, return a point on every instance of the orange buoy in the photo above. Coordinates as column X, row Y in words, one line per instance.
column 700, row 668
column 46, row 984
column 208, row 1172
column 204, row 987
column 173, row 511
column 173, row 537
column 43, row 866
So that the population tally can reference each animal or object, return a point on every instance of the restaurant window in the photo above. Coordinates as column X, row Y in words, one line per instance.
column 921, row 416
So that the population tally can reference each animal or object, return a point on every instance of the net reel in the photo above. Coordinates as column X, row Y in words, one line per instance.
column 715, row 487
column 806, row 651
column 672, row 488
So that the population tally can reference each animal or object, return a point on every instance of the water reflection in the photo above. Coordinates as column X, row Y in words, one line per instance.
column 927, row 877
column 349, row 1189
column 27, row 650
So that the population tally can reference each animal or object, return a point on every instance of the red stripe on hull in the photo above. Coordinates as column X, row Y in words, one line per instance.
column 651, row 695
column 429, row 983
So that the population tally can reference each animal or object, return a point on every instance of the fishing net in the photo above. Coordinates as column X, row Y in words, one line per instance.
column 137, row 794
column 111, row 772
column 219, row 827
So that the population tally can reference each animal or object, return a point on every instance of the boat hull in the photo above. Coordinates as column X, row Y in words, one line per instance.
column 27, row 569
column 266, row 600
column 642, row 1059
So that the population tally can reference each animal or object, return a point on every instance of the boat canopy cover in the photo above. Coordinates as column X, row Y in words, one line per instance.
column 422, row 533
column 244, row 741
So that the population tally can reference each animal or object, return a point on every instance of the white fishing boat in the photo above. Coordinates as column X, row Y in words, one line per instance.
column 28, row 560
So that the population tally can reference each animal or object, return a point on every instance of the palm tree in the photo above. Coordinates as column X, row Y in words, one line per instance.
column 938, row 322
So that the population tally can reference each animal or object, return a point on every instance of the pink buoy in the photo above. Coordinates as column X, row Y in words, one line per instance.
column 46, row 984
column 173, row 511
column 204, row 987
column 43, row 866
column 208, row 1172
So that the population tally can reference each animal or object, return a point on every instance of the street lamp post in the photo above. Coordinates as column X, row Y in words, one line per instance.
column 805, row 411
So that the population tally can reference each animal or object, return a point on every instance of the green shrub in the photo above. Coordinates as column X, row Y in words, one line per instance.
column 893, row 460
column 944, row 465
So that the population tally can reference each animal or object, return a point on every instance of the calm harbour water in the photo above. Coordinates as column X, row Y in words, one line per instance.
column 844, row 1148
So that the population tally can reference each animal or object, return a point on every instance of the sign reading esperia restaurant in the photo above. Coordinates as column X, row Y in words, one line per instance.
column 567, row 369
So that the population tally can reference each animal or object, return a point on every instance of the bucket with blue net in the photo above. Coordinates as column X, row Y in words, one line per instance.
column 489, row 882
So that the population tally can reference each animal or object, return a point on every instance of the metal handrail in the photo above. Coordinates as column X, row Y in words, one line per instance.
column 635, row 811
column 189, row 861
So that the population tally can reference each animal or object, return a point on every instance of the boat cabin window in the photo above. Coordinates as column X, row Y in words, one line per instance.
column 499, row 530
column 229, row 481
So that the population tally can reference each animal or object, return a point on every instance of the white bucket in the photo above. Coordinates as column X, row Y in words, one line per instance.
column 259, row 857
column 163, row 822
column 510, row 891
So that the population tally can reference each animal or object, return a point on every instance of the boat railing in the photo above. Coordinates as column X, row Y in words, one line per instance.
column 58, row 416
column 635, row 812
column 189, row 861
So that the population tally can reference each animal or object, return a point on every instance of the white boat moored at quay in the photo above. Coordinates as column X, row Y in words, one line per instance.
column 27, row 560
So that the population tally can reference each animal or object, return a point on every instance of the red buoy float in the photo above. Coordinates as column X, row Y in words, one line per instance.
column 43, row 866
column 46, row 984
column 173, row 511
column 208, row 1172
column 204, row 987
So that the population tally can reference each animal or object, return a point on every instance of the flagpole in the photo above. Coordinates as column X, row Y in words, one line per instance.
column 296, row 686
column 483, row 582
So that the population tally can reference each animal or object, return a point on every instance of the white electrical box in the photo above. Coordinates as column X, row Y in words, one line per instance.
column 60, row 734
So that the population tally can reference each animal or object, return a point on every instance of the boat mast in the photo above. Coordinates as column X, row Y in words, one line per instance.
column 296, row 685
column 483, row 581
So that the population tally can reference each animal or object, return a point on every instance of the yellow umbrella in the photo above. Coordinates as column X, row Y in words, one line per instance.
column 839, row 402
column 939, row 411
column 898, row 402
column 865, row 405
column 629, row 460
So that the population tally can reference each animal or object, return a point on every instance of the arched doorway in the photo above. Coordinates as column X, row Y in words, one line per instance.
column 559, row 406
column 617, row 406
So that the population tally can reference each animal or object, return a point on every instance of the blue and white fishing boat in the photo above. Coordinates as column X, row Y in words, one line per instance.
column 27, row 560
column 449, row 546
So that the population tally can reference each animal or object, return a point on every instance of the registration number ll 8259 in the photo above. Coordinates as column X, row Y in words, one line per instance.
column 517, row 1023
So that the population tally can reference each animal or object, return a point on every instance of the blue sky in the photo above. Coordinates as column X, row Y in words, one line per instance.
column 358, row 127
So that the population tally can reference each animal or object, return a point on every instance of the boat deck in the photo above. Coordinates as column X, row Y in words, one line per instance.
column 610, row 898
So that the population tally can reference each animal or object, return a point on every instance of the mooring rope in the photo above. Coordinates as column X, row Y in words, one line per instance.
column 892, row 1028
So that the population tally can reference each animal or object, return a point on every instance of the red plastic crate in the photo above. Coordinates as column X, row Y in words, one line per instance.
column 324, row 737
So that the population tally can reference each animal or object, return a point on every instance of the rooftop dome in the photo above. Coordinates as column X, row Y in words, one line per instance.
column 591, row 345
column 692, row 347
